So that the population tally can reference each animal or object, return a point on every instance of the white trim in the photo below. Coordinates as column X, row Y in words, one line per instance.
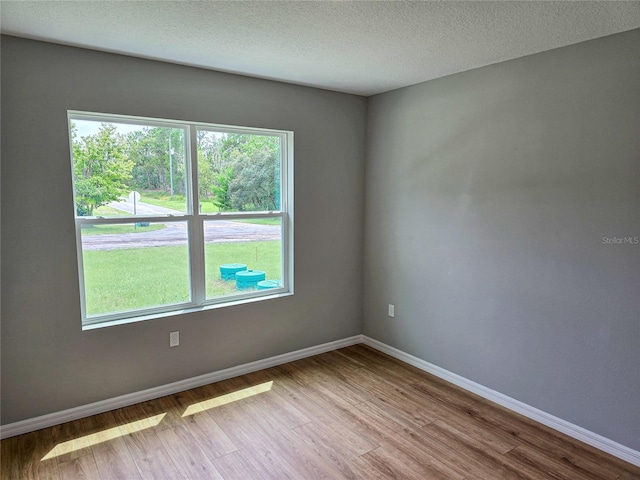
column 32, row 424
column 590, row 438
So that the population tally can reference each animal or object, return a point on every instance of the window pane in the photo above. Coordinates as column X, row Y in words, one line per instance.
column 238, row 172
column 242, row 255
column 129, row 266
column 113, row 161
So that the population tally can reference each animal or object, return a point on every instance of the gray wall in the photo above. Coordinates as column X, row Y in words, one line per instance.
column 48, row 362
column 487, row 197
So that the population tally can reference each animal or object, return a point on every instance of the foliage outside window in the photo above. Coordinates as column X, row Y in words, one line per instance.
column 174, row 215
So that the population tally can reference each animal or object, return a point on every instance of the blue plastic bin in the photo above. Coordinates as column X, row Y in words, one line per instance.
column 229, row 270
column 249, row 279
column 266, row 284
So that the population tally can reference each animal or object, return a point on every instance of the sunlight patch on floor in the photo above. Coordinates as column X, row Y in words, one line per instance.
column 228, row 398
column 86, row 441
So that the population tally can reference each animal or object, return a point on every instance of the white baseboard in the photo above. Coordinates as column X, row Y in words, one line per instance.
column 590, row 438
column 36, row 423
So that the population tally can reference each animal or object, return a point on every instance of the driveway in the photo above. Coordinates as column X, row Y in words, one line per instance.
column 175, row 233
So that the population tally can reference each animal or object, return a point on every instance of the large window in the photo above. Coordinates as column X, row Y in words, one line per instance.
column 173, row 215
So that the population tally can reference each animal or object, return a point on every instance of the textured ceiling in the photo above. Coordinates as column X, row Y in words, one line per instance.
column 357, row 47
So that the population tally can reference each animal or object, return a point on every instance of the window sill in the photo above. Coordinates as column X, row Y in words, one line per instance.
column 173, row 313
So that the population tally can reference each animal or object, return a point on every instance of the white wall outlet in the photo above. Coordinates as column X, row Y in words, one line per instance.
column 392, row 310
column 174, row 339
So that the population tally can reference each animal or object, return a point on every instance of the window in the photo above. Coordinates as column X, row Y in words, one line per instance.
column 172, row 215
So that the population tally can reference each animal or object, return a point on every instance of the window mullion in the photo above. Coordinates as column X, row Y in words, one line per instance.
column 196, row 234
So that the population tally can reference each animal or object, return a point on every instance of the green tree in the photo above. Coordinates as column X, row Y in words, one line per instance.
column 253, row 185
column 254, row 160
column 158, row 155
column 239, row 171
column 101, row 168
column 220, row 190
column 208, row 166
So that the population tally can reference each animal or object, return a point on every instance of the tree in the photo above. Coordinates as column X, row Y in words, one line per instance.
column 253, row 185
column 248, row 175
column 208, row 167
column 101, row 169
column 158, row 156
column 220, row 190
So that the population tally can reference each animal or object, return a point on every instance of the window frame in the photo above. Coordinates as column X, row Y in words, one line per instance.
column 195, row 222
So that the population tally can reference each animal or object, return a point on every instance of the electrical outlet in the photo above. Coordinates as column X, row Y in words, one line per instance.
column 392, row 310
column 174, row 339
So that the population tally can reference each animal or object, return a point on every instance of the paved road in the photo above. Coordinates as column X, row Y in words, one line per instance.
column 218, row 231
column 142, row 208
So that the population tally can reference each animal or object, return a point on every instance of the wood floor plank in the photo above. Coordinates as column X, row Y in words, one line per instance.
column 114, row 461
column 303, row 371
column 338, row 365
column 258, row 450
column 389, row 434
column 391, row 367
column 446, row 395
column 348, row 390
column 629, row 476
column 554, row 444
column 187, row 455
column 346, row 354
column 330, row 449
column 208, row 434
column 34, row 459
column 406, row 441
column 79, row 468
column 551, row 467
column 285, row 412
column 479, row 463
column 9, row 459
column 396, row 397
column 305, row 461
column 148, row 454
column 170, row 407
column 108, row 447
column 367, row 469
column 234, row 466
column 394, row 465
column 479, row 436
column 133, row 418
column 71, row 439
column 328, row 423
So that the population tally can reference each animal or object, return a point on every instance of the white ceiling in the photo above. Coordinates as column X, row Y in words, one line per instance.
column 358, row 47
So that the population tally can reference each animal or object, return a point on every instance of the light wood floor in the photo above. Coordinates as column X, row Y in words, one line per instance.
column 351, row 413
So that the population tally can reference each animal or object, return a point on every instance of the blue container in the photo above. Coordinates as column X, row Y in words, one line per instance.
column 249, row 279
column 267, row 284
column 229, row 270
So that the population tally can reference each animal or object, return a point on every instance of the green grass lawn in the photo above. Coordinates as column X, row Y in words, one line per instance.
column 109, row 229
column 178, row 202
column 260, row 221
column 128, row 279
column 106, row 211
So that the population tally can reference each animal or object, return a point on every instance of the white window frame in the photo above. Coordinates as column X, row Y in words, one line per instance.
column 195, row 222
